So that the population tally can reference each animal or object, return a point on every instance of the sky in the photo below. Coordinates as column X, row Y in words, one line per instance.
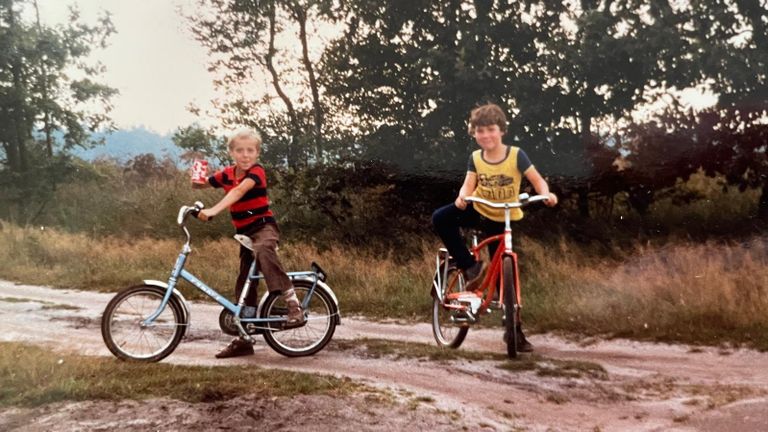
column 153, row 60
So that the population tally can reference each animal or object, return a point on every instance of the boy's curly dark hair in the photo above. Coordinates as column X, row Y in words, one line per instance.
column 486, row 115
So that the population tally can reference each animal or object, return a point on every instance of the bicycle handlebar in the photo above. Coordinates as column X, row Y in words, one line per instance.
column 524, row 201
column 185, row 211
column 181, row 218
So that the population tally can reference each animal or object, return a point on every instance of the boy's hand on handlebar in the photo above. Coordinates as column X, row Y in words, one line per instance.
column 552, row 201
column 460, row 203
column 205, row 215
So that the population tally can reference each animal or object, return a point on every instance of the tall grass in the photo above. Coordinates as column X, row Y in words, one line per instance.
column 703, row 293
column 375, row 285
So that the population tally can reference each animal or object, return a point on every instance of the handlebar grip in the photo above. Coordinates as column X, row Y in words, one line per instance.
column 195, row 212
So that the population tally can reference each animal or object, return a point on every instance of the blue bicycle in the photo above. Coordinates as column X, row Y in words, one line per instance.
column 147, row 322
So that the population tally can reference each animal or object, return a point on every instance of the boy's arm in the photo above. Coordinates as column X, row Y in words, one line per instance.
column 540, row 185
column 230, row 198
column 467, row 189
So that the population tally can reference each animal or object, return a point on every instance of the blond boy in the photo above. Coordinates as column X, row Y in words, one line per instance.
column 245, row 185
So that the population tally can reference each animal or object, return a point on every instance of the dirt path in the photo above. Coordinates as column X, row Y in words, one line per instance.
column 648, row 387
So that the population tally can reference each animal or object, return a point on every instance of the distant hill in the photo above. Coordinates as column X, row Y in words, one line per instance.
column 126, row 144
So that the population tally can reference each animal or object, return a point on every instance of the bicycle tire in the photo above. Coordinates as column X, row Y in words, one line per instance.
column 126, row 339
column 447, row 333
column 510, row 306
column 311, row 337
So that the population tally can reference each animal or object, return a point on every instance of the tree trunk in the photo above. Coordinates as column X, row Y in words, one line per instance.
column 20, row 130
column 583, row 201
column 762, row 207
column 293, row 148
column 12, row 155
column 583, row 191
column 44, row 78
column 301, row 16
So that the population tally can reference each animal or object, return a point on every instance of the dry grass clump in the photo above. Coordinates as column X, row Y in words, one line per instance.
column 705, row 293
column 368, row 284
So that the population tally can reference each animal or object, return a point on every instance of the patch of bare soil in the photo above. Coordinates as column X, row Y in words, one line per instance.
column 614, row 385
column 315, row 413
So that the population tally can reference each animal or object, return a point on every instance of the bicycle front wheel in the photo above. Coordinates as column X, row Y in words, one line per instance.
column 125, row 334
column 510, row 306
column 321, row 318
column 447, row 331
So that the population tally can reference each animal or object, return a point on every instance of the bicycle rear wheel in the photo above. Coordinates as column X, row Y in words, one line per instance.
column 510, row 306
column 448, row 333
column 127, row 338
column 311, row 337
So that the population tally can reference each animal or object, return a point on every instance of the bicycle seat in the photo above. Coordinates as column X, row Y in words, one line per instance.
column 245, row 241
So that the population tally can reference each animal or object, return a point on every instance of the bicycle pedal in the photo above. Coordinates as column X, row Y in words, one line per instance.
column 473, row 303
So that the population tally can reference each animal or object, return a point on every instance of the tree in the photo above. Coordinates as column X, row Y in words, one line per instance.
column 41, row 96
column 604, row 61
column 200, row 142
column 242, row 38
column 410, row 71
column 733, row 40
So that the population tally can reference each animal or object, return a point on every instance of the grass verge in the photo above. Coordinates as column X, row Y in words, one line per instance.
column 33, row 376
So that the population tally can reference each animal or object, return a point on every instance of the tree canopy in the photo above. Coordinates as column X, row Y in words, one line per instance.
column 48, row 88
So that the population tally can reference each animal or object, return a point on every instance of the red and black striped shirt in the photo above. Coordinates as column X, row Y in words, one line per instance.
column 252, row 210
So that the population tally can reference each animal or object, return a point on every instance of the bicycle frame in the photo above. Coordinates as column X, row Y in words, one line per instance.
column 456, row 306
column 147, row 322
column 493, row 278
column 491, row 281
column 179, row 272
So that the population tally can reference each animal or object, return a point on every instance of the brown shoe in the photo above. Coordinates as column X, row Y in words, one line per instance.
column 295, row 317
column 522, row 343
column 474, row 275
column 238, row 347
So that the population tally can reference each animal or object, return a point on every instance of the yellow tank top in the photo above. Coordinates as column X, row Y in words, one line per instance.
column 498, row 182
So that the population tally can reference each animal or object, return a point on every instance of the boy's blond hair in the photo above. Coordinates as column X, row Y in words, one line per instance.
column 244, row 133
column 487, row 115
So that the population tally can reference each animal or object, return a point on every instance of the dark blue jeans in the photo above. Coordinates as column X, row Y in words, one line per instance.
column 448, row 219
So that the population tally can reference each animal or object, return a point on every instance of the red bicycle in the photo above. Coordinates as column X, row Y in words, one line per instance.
column 454, row 309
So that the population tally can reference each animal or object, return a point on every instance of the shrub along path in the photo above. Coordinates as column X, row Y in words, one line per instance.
column 586, row 385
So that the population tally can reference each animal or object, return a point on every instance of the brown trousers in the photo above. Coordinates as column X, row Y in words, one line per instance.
column 265, row 240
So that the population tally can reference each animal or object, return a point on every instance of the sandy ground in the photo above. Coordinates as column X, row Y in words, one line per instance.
column 648, row 387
